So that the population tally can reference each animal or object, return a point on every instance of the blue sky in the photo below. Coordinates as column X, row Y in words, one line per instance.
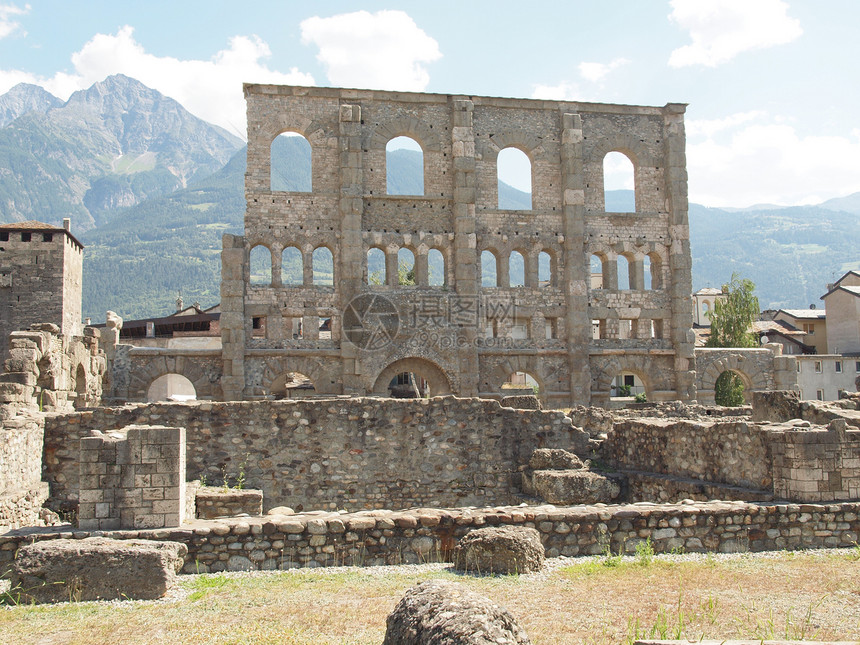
column 772, row 84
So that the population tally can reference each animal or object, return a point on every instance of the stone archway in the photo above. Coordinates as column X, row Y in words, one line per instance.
column 437, row 381
column 749, row 365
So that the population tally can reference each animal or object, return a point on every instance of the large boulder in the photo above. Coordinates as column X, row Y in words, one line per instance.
column 95, row 569
column 522, row 402
column 571, row 487
column 439, row 612
column 499, row 549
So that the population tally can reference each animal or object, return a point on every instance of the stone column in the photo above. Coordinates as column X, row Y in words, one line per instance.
column 421, row 271
column 307, row 268
column 234, row 270
column 392, row 273
column 503, row 272
column 577, row 266
column 637, row 274
column 465, row 240
column 351, row 256
column 532, row 270
column 680, row 262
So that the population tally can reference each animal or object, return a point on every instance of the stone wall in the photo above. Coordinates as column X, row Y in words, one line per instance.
column 760, row 369
column 21, row 489
column 426, row 535
column 132, row 479
column 795, row 461
column 468, row 333
column 728, row 452
column 337, row 453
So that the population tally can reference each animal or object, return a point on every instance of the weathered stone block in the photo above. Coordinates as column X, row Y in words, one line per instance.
column 502, row 549
column 96, row 569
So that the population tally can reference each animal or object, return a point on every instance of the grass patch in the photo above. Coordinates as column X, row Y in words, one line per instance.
column 783, row 595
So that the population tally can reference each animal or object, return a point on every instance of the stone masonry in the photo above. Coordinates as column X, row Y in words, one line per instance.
column 132, row 479
column 575, row 338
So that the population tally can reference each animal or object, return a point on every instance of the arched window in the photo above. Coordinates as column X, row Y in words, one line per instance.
column 404, row 167
column 619, row 188
column 261, row 265
column 597, row 277
column 290, row 163
column 546, row 270
column 292, row 270
column 323, row 267
column 516, row 269
column 624, row 266
column 489, row 269
column 375, row 266
column 405, row 268
column 435, row 268
column 514, row 179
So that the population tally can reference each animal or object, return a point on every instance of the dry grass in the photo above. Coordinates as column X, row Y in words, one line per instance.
column 597, row 600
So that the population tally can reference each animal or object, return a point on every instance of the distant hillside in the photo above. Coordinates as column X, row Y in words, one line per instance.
column 109, row 147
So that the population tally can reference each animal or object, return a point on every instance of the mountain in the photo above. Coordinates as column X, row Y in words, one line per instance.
column 849, row 204
column 111, row 146
column 23, row 99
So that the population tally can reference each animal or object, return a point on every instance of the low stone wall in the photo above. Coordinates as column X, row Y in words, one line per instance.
column 728, row 452
column 662, row 489
column 337, row 453
column 794, row 461
column 214, row 502
column 389, row 537
column 21, row 490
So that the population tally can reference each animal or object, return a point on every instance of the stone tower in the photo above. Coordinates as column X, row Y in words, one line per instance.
column 40, row 278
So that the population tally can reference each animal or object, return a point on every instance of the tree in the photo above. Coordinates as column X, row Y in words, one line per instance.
column 729, row 390
column 731, row 326
column 734, row 314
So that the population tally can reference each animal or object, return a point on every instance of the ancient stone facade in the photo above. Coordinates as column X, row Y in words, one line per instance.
column 463, row 335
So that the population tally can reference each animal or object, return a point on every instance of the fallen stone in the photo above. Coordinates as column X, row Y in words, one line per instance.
column 439, row 612
column 95, row 568
column 522, row 402
column 570, row 487
column 499, row 549
column 554, row 459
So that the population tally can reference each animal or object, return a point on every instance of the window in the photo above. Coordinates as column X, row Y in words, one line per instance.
column 551, row 328
column 292, row 271
column 520, row 330
column 47, row 237
column 435, row 268
column 516, row 269
column 405, row 268
column 809, row 329
column 322, row 266
column 290, row 163
column 799, row 366
column 857, row 366
column 838, row 366
column 818, row 367
column 489, row 273
column 514, row 179
column 545, row 269
column 404, row 167
column 819, row 394
column 4, row 237
column 596, row 272
column 619, row 194
column 261, row 265
column 25, row 237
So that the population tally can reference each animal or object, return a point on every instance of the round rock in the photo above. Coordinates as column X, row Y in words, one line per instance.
column 438, row 612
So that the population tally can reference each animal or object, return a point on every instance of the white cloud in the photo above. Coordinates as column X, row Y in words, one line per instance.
column 709, row 127
column 210, row 89
column 595, row 72
column 382, row 50
column 722, row 29
column 756, row 158
column 8, row 24
column 564, row 91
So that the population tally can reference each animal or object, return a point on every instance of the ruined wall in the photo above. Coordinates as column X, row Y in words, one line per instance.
column 760, row 369
column 795, row 461
column 21, row 489
column 337, row 453
column 466, row 335
column 428, row 535
column 728, row 452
